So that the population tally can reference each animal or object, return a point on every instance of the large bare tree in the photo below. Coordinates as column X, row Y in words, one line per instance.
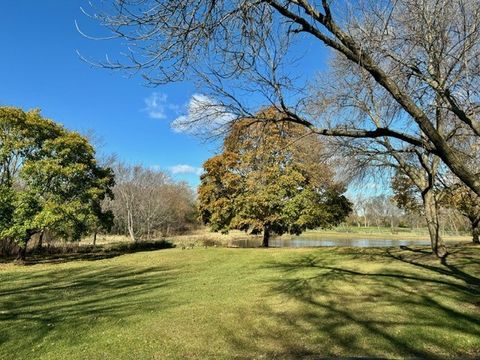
column 350, row 93
column 415, row 51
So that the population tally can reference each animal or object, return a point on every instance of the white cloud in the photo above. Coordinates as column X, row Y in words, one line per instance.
column 157, row 106
column 204, row 116
column 186, row 169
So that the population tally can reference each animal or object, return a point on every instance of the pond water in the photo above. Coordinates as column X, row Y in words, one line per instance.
column 299, row 243
column 325, row 242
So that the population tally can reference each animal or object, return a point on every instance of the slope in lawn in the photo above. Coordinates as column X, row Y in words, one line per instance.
column 244, row 303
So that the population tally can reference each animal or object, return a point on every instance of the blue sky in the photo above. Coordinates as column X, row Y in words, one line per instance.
column 39, row 68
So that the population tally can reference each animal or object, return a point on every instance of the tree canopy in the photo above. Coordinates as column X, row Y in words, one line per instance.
column 423, row 56
column 49, row 179
column 270, row 178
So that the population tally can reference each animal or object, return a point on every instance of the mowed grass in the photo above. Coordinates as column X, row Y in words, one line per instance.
column 245, row 303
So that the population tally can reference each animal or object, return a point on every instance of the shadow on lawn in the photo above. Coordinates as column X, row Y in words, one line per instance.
column 402, row 310
column 64, row 304
column 445, row 267
column 90, row 252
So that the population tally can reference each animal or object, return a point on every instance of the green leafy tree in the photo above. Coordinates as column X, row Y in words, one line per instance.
column 270, row 179
column 50, row 179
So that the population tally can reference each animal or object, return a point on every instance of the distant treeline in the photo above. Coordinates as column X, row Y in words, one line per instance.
column 382, row 211
column 148, row 204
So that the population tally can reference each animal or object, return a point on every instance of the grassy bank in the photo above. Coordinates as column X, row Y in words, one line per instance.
column 381, row 233
column 244, row 303
column 197, row 238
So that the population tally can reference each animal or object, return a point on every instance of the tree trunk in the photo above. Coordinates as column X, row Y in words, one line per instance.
column 433, row 224
column 22, row 254
column 40, row 241
column 266, row 235
column 476, row 231
column 130, row 225
column 95, row 238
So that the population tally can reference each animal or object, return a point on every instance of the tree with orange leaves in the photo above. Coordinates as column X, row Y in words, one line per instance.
column 270, row 178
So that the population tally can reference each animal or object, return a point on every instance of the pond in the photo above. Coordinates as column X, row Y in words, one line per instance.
column 299, row 243
column 326, row 242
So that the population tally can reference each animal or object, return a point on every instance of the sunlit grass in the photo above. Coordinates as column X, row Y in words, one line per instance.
column 244, row 303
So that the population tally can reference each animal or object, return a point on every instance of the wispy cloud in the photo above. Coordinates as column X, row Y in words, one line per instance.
column 157, row 106
column 203, row 115
column 185, row 169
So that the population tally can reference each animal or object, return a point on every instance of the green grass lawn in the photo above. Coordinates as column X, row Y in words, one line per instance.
column 244, row 303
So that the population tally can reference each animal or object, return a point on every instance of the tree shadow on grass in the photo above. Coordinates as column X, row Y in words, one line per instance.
column 64, row 304
column 58, row 255
column 338, row 307
column 444, row 267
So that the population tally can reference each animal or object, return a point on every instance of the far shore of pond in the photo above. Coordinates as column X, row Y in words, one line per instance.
column 205, row 237
column 359, row 234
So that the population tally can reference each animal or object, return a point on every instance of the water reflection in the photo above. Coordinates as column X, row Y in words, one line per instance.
column 300, row 243
column 345, row 242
